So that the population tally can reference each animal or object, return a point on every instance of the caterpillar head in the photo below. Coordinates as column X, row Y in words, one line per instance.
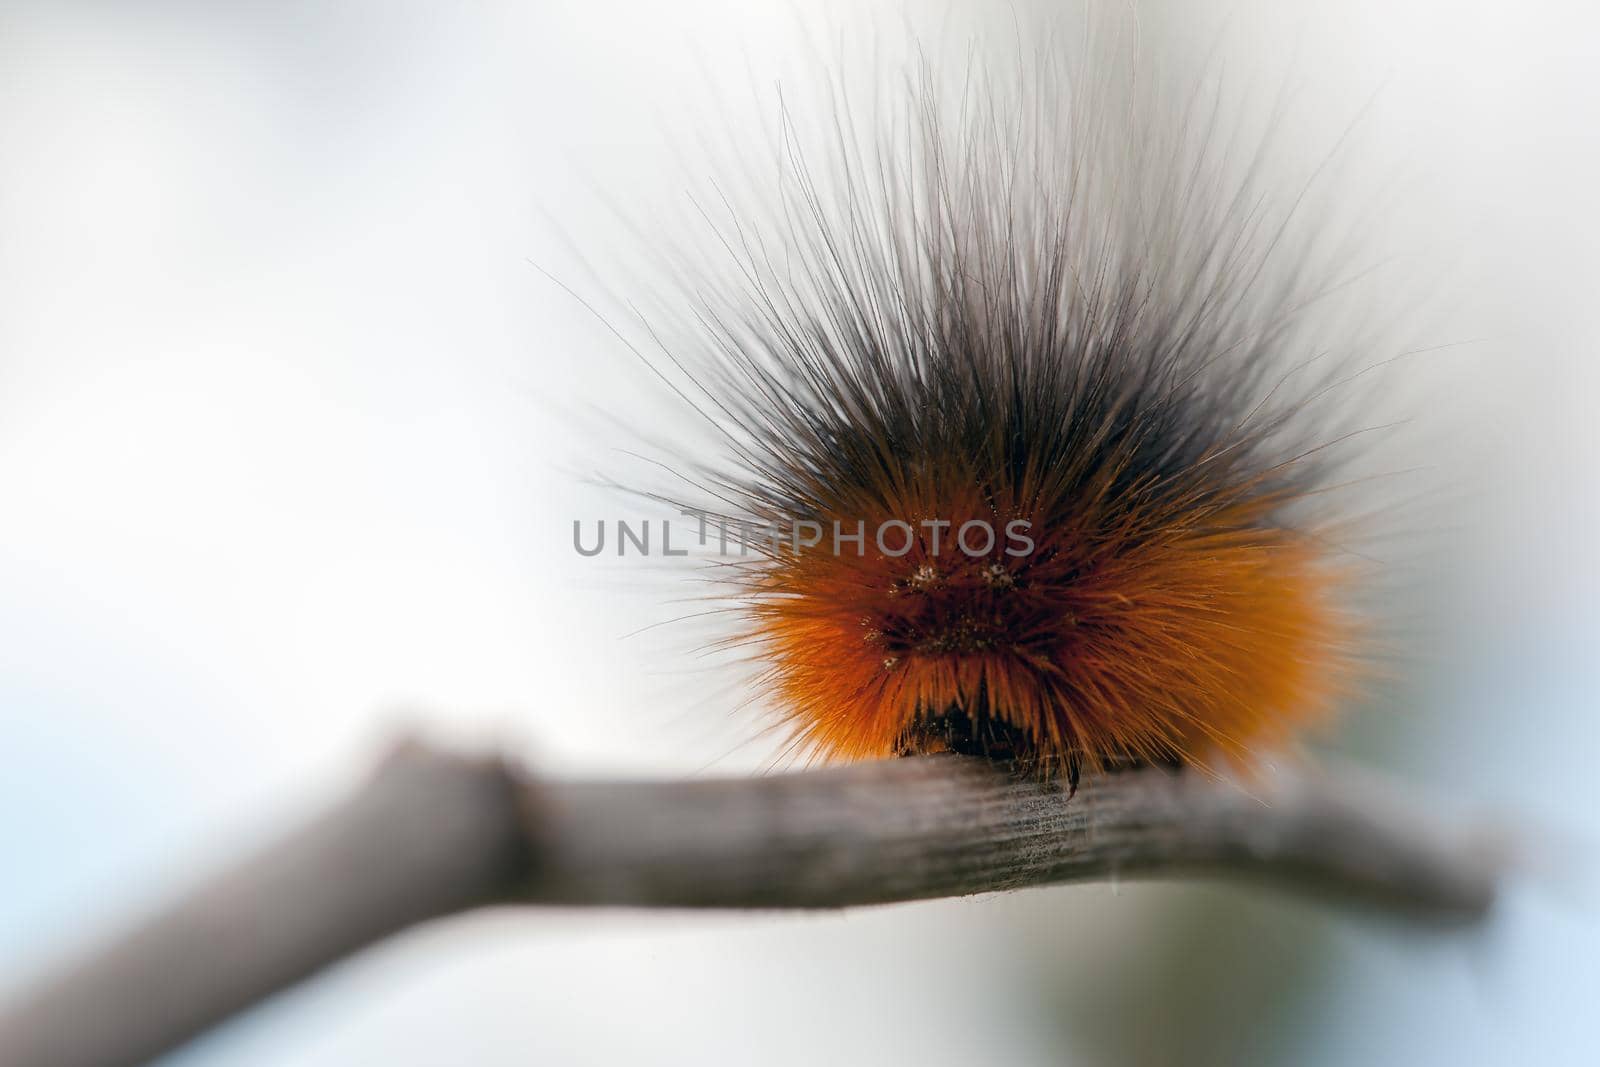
column 1024, row 390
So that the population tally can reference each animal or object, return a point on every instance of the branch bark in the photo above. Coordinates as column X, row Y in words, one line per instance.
column 435, row 833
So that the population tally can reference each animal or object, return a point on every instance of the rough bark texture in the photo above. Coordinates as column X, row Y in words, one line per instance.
column 434, row 833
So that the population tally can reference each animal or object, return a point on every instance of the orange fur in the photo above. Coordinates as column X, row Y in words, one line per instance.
column 1166, row 636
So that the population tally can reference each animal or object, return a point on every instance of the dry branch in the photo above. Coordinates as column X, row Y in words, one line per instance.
column 433, row 833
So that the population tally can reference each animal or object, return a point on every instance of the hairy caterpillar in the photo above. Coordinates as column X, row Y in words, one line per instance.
column 1059, row 305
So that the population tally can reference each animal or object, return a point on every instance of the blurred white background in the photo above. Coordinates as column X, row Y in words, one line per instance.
column 287, row 458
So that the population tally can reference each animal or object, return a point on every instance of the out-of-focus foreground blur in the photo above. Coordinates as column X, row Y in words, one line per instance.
column 292, row 435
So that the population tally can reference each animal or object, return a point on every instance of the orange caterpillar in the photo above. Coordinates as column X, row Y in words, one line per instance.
column 1045, row 311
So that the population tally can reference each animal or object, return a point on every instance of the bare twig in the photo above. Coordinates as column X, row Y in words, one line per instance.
column 433, row 833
